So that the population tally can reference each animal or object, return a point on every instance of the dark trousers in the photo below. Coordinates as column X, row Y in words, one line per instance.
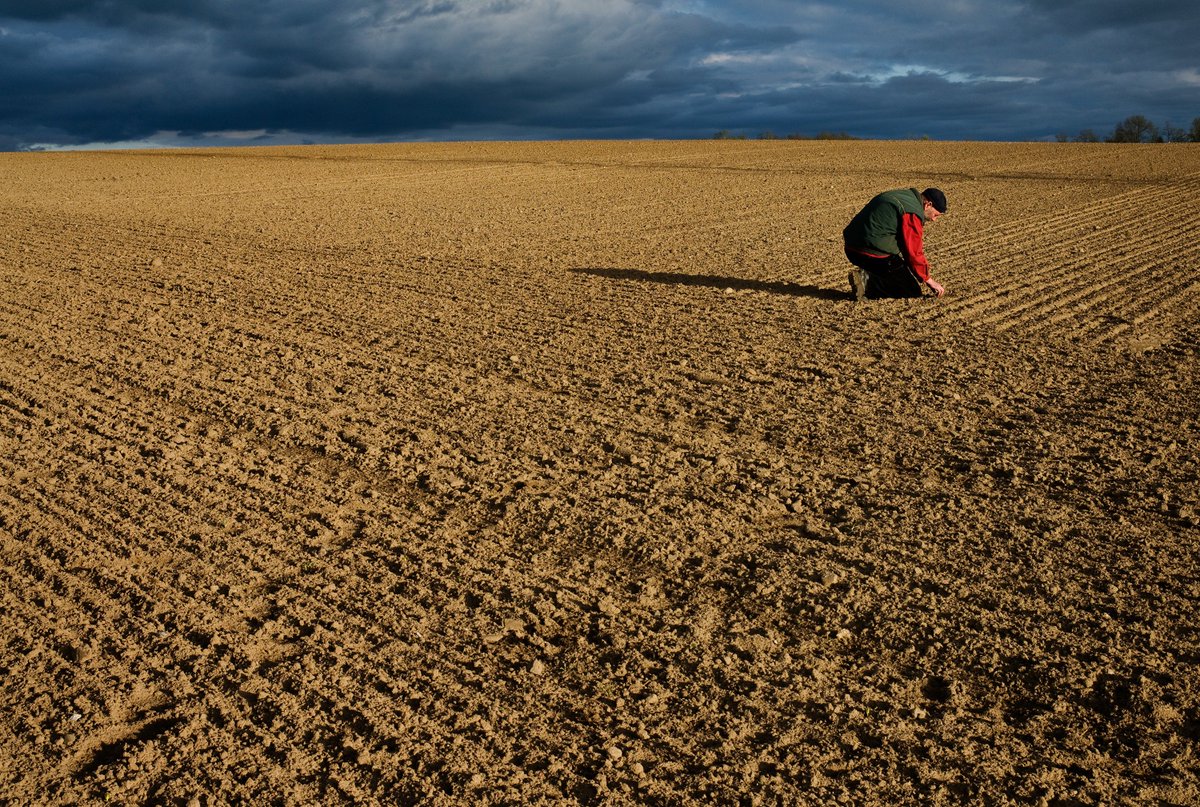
column 887, row 277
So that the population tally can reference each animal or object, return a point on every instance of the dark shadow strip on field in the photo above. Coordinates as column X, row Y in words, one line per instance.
column 716, row 282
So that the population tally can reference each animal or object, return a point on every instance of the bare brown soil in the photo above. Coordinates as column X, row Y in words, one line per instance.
column 507, row 473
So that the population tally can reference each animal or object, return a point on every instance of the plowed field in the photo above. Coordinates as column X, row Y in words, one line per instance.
column 507, row 473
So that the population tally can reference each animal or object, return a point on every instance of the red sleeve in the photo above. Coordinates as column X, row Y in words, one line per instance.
column 912, row 241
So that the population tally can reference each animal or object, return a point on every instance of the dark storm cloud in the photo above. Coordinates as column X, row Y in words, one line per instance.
column 994, row 70
column 1075, row 15
column 126, row 70
column 95, row 71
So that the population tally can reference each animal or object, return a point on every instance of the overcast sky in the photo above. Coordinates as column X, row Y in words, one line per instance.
column 220, row 72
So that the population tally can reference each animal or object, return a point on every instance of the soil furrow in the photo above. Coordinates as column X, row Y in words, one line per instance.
column 1074, row 271
column 1079, row 224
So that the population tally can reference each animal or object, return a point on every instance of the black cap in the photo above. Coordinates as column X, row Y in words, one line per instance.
column 936, row 198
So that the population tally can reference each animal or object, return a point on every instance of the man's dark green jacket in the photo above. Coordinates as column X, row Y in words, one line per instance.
column 877, row 227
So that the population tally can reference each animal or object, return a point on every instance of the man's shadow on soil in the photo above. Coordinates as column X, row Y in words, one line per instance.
column 715, row 281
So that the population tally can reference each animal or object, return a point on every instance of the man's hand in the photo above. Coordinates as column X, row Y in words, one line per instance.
column 938, row 288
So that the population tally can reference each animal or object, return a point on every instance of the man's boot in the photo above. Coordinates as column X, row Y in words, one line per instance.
column 858, row 283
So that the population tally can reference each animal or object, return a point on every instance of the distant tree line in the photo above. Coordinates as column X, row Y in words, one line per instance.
column 1140, row 129
column 725, row 134
column 1134, row 129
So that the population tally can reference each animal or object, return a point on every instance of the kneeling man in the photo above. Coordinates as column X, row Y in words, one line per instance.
column 886, row 244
